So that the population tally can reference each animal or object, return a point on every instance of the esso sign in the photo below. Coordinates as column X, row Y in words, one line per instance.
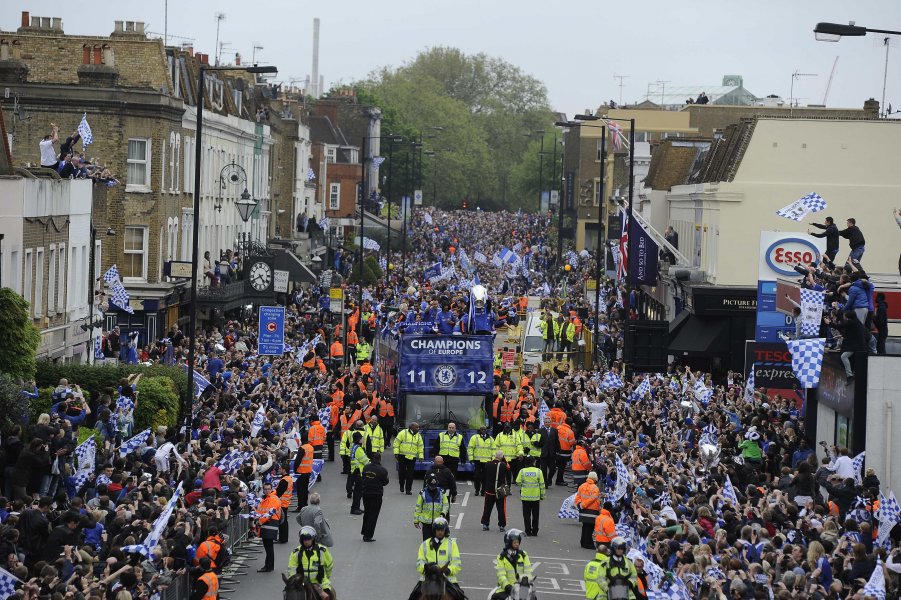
column 783, row 254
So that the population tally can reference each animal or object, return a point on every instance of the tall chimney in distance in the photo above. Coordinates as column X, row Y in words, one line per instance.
column 315, row 76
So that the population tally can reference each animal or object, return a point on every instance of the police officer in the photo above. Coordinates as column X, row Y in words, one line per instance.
column 313, row 559
column 481, row 450
column 373, row 436
column 611, row 577
column 431, row 503
column 451, row 447
column 531, row 491
column 374, row 480
column 407, row 448
column 358, row 460
column 440, row 552
column 512, row 565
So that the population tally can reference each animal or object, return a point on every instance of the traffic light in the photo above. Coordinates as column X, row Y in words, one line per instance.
column 464, row 205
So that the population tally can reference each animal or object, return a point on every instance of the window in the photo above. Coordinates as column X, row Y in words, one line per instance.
column 334, row 196
column 175, row 75
column 62, row 276
column 188, row 169
column 138, row 166
column 135, row 264
column 51, row 281
column 15, row 270
column 29, row 274
column 39, row 283
column 598, row 157
column 237, row 96
column 330, row 153
column 164, row 165
column 176, row 152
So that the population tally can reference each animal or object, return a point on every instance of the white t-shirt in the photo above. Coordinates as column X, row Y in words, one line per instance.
column 843, row 466
column 48, row 153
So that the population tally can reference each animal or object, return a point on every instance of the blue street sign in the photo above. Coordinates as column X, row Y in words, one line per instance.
column 271, row 339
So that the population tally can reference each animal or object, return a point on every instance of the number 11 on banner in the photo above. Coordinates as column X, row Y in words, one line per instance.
column 416, row 375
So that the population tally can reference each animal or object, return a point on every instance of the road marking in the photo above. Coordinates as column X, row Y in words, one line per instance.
column 555, row 558
column 465, row 500
column 459, row 522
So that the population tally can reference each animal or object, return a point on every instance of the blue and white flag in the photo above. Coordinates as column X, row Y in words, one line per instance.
column 132, row 444
column 325, row 223
column 325, row 415
column 811, row 312
column 858, row 467
column 370, row 244
column 8, row 583
column 86, row 453
column 508, row 256
column 84, row 130
column 641, row 391
column 317, row 469
column 427, row 217
column 622, row 481
column 807, row 360
column 543, row 410
column 258, row 419
column 200, row 383
column 479, row 257
column 568, row 509
column 377, row 161
column 701, row 393
column 664, row 499
column 749, row 384
column 729, row 494
column 888, row 515
column 98, row 347
column 159, row 527
column 112, row 275
column 233, row 460
column 611, row 381
column 311, row 174
column 800, row 208
column 120, row 298
column 433, row 271
column 876, row 585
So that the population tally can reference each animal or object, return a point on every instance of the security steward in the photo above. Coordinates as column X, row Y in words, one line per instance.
column 314, row 560
column 588, row 503
column 530, row 480
column 407, row 448
column 451, row 447
column 284, row 490
column 303, row 466
column 611, row 577
column 269, row 514
column 210, row 548
column 439, row 552
column 373, row 436
column 206, row 587
column 481, row 451
column 581, row 463
column 604, row 526
column 512, row 565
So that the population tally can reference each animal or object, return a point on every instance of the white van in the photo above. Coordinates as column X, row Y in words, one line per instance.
column 532, row 340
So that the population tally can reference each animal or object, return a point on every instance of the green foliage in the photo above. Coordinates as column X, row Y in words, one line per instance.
column 13, row 405
column 484, row 105
column 158, row 403
column 21, row 337
column 41, row 404
column 372, row 273
column 537, row 172
column 95, row 380
column 85, row 432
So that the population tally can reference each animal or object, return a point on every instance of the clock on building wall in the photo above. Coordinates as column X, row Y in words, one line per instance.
column 260, row 276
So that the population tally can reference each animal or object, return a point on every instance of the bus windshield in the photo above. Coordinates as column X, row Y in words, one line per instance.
column 467, row 410
column 435, row 411
column 534, row 343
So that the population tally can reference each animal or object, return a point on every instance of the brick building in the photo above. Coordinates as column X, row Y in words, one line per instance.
column 140, row 101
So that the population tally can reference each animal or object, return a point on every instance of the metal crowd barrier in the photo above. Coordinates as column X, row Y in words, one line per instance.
column 179, row 590
column 242, row 547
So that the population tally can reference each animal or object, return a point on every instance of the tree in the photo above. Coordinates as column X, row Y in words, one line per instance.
column 372, row 272
column 21, row 337
column 484, row 106
column 13, row 404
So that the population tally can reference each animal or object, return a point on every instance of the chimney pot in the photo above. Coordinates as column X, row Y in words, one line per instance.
column 139, row 26
column 25, row 18
column 237, row 59
column 56, row 23
column 118, row 27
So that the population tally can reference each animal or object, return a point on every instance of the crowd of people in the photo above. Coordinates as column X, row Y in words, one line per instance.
column 69, row 163
column 685, row 486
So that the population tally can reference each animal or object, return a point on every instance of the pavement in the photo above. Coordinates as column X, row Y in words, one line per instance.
column 386, row 568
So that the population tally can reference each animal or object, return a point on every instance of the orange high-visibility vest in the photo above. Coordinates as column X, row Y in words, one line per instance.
column 212, row 585
column 581, row 462
column 566, row 437
column 209, row 548
column 337, row 350
column 316, row 434
column 366, row 368
column 286, row 497
column 588, row 496
column 270, row 502
column 604, row 528
column 306, row 462
column 352, row 338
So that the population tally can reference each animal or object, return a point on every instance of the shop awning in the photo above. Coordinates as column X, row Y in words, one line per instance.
column 297, row 271
column 701, row 336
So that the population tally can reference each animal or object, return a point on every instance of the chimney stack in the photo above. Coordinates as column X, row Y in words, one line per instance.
column 203, row 58
column 237, row 59
column 316, row 91
column 26, row 18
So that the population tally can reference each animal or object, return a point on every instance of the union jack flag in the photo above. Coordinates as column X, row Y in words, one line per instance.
column 623, row 263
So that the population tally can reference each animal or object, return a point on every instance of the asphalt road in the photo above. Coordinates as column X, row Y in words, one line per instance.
column 386, row 568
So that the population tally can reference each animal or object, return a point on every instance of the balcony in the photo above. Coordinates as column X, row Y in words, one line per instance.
column 222, row 297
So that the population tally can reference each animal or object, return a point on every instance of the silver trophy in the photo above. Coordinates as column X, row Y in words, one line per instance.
column 709, row 455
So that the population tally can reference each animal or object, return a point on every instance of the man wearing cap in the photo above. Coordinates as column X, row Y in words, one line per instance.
column 588, row 502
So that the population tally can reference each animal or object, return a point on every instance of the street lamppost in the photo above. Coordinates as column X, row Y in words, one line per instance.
column 92, row 290
column 235, row 175
column 411, row 173
column 628, row 257
column 834, row 32
column 195, row 234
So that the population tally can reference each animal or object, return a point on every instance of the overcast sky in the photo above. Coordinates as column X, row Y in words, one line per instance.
column 574, row 46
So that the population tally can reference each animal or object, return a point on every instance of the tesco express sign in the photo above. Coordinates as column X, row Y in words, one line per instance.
column 780, row 252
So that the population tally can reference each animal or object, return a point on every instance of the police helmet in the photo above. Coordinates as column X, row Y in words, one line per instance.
column 619, row 543
column 512, row 534
column 440, row 523
column 307, row 533
column 431, row 480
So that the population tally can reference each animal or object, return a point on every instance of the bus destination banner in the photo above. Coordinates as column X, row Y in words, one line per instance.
column 456, row 364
